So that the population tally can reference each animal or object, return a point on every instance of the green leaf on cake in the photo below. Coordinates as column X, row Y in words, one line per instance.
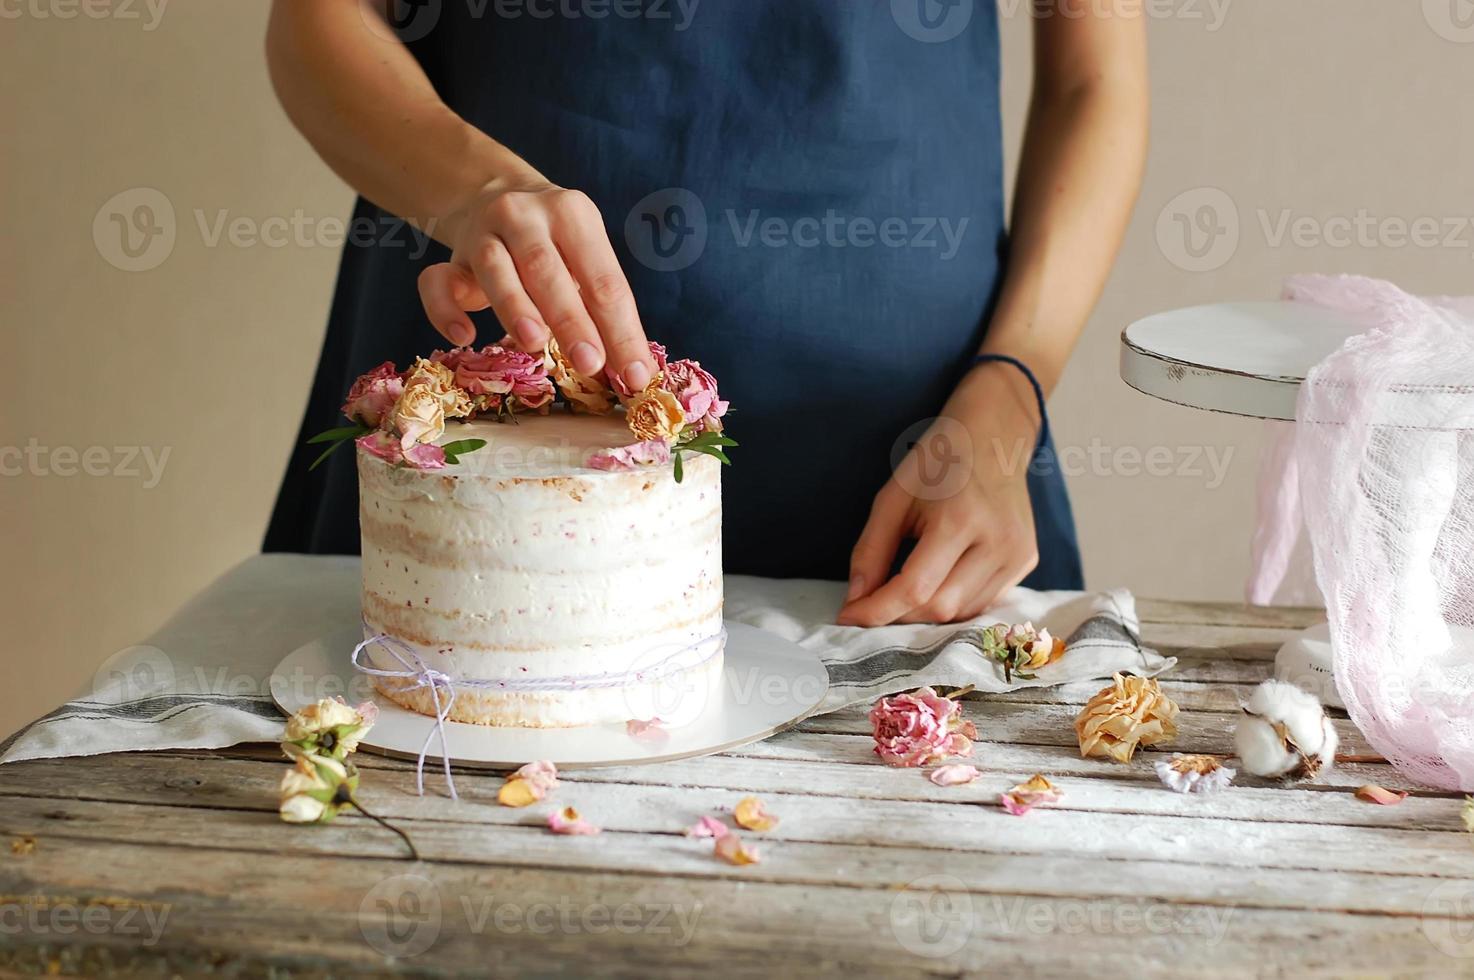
column 455, row 450
column 327, row 452
column 680, row 472
column 339, row 434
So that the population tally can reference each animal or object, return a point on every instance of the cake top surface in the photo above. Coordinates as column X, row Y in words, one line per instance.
column 556, row 444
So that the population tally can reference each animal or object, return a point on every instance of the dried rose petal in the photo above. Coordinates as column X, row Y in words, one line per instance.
column 954, row 775
column 708, row 827
column 651, row 731
column 1036, row 791
column 1372, row 793
column 567, row 821
column 520, row 792
column 749, row 813
column 541, row 772
column 729, row 848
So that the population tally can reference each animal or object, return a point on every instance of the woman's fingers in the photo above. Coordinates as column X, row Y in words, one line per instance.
column 961, row 596
column 447, row 291
column 496, row 277
column 870, row 561
column 579, row 231
column 924, row 572
column 551, row 286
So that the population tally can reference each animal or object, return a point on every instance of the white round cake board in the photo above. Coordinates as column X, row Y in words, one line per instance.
column 769, row 684
column 1241, row 358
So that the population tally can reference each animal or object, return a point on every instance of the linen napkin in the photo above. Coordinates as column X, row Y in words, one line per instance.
column 202, row 680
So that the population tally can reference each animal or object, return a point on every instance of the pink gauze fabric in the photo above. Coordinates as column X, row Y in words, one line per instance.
column 1382, row 457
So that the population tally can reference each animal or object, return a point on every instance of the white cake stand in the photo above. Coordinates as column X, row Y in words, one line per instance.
column 1244, row 359
column 769, row 684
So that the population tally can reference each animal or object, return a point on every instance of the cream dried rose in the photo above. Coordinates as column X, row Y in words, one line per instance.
column 419, row 416
column 655, row 414
column 440, row 379
column 1133, row 711
column 584, row 393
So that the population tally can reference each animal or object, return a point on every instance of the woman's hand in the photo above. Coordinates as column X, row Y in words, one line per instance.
column 961, row 492
column 538, row 255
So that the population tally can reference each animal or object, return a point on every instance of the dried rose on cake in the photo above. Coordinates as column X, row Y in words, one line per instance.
column 1132, row 712
column 919, row 728
column 401, row 417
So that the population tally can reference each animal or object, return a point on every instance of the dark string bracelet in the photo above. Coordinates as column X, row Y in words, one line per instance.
column 1033, row 383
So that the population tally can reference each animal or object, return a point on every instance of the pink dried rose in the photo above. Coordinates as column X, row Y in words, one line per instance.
column 497, row 370
column 657, row 354
column 420, row 456
column 953, row 775
column 374, row 395
column 920, row 727
column 528, row 784
column 1036, row 791
column 696, row 390
column 650, row 452
column 567, row 821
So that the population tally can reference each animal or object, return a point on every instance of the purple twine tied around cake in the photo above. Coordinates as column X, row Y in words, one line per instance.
column 419, row 674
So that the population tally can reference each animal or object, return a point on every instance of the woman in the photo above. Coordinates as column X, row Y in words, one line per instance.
column 804, row 195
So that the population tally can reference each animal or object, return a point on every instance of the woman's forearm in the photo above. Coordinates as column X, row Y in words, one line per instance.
column 1083, row 157
column 364, row 104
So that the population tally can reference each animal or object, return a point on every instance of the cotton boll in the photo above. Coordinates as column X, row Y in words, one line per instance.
column 1285, row 731
column 1261, row 749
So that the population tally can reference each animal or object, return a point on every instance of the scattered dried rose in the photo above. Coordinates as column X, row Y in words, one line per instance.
column 1133, row 711
column 528, row 784
column 729, row 848
column 328, row 728
column 953, row 775
column 708, row 827
column 316, row 789
column 1372, row 793
column 749, row 813
column 21, row 846
column 1020, row 648
column 652, row 730
column 920, row 727
column 1194, row 773
column 567, row 821
column 1036, row 791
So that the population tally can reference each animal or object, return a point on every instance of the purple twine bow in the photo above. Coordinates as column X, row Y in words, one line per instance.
column 421, row 675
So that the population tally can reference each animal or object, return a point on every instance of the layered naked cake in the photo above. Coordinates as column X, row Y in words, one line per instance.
column 549, row 592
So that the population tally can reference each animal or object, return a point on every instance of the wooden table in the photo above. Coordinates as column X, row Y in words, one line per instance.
column 176, row 862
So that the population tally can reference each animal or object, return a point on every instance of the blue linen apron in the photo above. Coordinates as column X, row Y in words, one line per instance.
column 806, row 196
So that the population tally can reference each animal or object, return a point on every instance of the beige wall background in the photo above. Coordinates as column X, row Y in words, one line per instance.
column 1321, row 111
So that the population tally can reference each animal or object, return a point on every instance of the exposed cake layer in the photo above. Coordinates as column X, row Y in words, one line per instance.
column 521, row 563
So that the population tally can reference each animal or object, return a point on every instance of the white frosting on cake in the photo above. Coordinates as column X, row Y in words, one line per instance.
column 522, row 564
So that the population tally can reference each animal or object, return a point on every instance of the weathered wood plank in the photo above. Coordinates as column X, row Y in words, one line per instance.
column 1227, row 614
column 961, row 825
column 249, row 912
column 785, row 862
